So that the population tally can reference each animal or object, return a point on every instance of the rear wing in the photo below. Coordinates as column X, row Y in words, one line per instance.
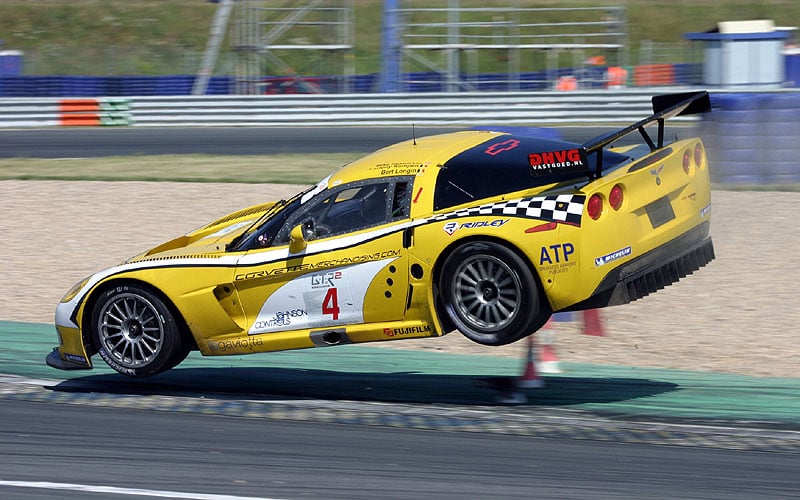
column 664, row 107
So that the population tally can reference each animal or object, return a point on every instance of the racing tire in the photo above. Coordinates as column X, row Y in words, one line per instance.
column 490, row 294
column 135, row 331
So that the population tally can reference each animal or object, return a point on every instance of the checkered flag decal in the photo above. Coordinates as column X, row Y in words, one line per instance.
column 565, row 208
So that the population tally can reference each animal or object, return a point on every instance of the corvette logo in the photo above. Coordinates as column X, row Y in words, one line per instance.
column 657, row 173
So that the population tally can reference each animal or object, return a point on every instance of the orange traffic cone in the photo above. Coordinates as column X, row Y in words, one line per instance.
column 592, row 324
column 530, row 379
column 548, row 361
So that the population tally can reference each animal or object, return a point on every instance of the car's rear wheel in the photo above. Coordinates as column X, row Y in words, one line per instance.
column 135, row 331
column 490, row 294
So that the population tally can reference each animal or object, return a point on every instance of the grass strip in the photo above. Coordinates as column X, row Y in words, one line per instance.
column 267, row 169
column 280, row 169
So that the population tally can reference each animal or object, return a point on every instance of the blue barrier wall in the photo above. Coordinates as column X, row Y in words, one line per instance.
column 118, row 86
column 752, row 138
column 107, row 86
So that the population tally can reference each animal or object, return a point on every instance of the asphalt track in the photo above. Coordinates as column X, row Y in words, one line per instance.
column 113, row 452
column 357, row 422
column 98, row 142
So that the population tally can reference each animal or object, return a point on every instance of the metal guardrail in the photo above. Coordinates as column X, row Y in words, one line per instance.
column 751, row 135
column 480, row 108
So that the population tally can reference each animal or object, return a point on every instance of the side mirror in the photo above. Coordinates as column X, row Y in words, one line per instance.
column 297, row 239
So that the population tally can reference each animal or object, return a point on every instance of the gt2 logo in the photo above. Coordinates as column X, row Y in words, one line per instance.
column 325, row 280
column 557, row 253
column 499, row 147
column 452, row 227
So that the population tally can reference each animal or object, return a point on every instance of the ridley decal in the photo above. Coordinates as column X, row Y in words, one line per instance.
column 452, row 227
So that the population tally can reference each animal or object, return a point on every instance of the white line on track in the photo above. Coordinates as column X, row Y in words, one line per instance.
column 123, row 491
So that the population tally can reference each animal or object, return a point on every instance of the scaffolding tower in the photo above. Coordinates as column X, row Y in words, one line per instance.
column 459, row 41
column 297, row 47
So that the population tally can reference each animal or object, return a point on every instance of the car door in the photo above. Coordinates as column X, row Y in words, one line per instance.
column 337, row 260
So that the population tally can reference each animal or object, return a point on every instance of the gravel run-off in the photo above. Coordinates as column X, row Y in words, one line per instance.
column 740, row 314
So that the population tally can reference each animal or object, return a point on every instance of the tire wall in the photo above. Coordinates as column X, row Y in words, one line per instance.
column 753, row 138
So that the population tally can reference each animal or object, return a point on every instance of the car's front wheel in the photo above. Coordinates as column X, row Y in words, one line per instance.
column 135, row 331
column 490, row 294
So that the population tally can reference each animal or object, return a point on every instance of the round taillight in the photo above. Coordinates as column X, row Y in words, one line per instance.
column 615, row 197
column 699, row 155
column 687, row 161
column 594, row 207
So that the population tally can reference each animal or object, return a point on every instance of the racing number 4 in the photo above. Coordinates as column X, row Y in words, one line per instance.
column 330, row 305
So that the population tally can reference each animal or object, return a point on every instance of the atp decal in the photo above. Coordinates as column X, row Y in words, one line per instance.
column 554, row 254
column 555, row 259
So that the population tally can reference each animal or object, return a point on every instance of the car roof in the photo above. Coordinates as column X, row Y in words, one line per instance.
column 409, row 157
column 475, row 154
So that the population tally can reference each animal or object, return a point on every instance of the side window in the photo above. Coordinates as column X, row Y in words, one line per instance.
column 401, row 200
column 349, row 208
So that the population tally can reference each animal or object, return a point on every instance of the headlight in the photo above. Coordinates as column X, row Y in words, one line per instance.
column 74, row 290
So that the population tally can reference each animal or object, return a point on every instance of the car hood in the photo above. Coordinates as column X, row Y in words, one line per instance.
column 209, row 240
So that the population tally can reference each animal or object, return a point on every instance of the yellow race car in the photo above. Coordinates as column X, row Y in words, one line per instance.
column 484, row 232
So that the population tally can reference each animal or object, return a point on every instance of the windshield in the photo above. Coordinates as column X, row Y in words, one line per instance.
column 268, row 224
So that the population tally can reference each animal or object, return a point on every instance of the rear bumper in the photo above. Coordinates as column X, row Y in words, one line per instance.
column 55, row 360
column 653, row 271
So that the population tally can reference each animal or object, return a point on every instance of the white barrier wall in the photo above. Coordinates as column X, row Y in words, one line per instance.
column 543, row 108
column 751, row 137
